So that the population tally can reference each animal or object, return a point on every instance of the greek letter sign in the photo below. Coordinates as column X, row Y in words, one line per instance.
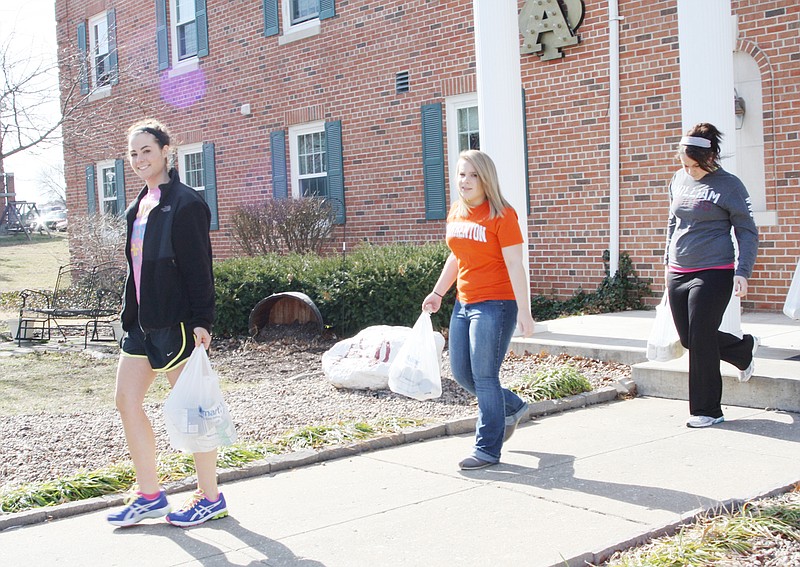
column 547, row 26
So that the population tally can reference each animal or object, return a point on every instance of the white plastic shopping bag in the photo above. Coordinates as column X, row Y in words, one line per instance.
column 416, row 372
column 791, row 307
column 732, row 318
column 196, row 416
column 664, row 344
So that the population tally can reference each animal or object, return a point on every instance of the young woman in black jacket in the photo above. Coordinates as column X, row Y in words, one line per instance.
column 168, row 310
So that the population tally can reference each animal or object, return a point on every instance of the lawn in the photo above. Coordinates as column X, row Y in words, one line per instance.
column 29, row 264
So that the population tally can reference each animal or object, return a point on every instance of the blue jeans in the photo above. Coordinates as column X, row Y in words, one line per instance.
column 479, row 337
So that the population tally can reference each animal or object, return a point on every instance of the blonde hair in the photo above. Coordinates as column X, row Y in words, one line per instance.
column 487, row 173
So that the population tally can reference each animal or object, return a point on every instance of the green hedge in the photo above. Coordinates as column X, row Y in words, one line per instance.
column 385, row 285
column 371, row 286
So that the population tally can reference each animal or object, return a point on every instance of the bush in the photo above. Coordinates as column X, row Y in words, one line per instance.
column 371, row 286
column 551, row 383
column 381, row 285
column 98, row 238
column 294, row 225
column 622, row 292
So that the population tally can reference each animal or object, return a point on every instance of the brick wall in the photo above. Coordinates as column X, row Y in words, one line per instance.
column 347, row 73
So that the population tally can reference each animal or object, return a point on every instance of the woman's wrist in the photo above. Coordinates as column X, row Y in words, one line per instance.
column 437, row 293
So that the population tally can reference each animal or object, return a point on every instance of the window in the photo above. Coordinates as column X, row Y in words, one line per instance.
column 183, row 36
column 463, row 132
column 198, row 170
column 185, row 29
column 303, row 10
column 301, row 18
column 191, row 167
column 107, row 187
column 97, row 45
column 307, row 153
column 99, row 53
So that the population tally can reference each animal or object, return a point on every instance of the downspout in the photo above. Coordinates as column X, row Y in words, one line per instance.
column 613, row 133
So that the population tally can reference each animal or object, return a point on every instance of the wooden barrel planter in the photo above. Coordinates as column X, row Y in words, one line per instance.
column 285, row 308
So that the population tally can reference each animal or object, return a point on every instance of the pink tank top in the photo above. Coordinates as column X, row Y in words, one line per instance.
column 147, row 204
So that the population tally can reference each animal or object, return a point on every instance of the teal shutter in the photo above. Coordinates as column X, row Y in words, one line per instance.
column 113, row 56
column 433, row 162
column 162, row 33
column 271, row 25
column 277, row 148
column 83, row 69
column 119, row 185
column 91, row 193
column 327, row 9
column 201, row 19
column 210, row 182
column 335, row 169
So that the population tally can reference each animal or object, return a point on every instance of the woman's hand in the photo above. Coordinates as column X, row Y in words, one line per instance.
column 739, row 286
column 202, row 337
column 432, row 303
column 525, row 324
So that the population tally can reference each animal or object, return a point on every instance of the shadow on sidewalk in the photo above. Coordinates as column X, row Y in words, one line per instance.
column 207, row 552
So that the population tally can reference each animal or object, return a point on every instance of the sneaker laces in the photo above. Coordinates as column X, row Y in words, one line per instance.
column 192, row 501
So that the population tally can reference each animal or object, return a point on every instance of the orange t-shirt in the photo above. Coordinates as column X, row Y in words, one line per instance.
column 477, row 242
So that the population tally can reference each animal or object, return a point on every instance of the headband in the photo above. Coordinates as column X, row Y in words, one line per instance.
column 695, row 141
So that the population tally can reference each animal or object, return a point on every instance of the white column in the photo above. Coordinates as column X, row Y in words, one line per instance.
column 500, row 100
column 706, row 40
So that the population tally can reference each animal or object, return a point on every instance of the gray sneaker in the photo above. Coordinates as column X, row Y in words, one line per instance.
column 747, row 373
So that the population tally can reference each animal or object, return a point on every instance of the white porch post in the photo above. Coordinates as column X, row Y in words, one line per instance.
column 497, row 47
column 705, row 37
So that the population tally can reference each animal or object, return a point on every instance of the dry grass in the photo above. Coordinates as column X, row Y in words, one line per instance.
column 29, row 264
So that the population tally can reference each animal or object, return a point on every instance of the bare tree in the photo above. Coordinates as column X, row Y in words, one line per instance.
column 52, row 185
column 33, row 111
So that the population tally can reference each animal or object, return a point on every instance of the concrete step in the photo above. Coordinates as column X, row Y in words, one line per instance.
column 622, row 337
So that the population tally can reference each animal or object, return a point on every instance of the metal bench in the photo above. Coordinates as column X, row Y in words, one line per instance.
column 88, row 298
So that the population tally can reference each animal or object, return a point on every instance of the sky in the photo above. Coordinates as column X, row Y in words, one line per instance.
column 23, row 18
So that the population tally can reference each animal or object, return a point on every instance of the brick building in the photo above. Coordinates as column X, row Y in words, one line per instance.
column 368, row 102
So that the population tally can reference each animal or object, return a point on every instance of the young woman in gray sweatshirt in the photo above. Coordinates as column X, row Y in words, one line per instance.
column 702, row 269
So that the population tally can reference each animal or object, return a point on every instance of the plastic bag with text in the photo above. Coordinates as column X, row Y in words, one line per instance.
column 416, row 372
column 197, row 418
column 664, row 343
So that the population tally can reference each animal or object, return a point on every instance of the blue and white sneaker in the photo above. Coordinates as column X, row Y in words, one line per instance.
column 198, row 509
column 137, row 508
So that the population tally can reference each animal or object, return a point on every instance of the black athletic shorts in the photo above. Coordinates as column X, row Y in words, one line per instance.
column 165, row 349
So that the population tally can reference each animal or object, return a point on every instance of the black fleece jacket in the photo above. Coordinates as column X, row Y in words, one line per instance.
column 177, row 282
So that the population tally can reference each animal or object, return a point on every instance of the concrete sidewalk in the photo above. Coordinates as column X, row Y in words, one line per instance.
column 572, row 486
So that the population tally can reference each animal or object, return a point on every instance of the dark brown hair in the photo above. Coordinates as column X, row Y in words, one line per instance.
column 706, row 158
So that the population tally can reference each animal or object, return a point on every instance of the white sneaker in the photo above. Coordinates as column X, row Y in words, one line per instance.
column 747, row 373
column 697, row 421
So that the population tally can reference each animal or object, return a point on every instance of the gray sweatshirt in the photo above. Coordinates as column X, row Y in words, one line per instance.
column 701, row 215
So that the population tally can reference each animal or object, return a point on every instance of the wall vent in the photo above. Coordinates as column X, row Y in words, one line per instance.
column 401, row 83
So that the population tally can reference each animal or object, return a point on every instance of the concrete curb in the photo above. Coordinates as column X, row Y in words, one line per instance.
column 307, row 457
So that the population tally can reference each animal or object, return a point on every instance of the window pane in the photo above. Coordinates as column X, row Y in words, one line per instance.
column 314, row 187
column 468, row 129
column 311, row 153
column 303, row 10
column 187, row 40
column 193, row 170
column 184, row 11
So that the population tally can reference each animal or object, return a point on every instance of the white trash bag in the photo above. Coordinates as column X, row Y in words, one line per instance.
column 664, row 344
column 417, row 371
column 362, row 362
column 791, row 307
column 196, row 416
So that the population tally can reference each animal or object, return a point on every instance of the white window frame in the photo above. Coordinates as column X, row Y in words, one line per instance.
column 102, row 166
column 173, row 31
column 183, row 152
column 294, row 160
column 99, row 47
column 452, row 105
column 291, row 33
